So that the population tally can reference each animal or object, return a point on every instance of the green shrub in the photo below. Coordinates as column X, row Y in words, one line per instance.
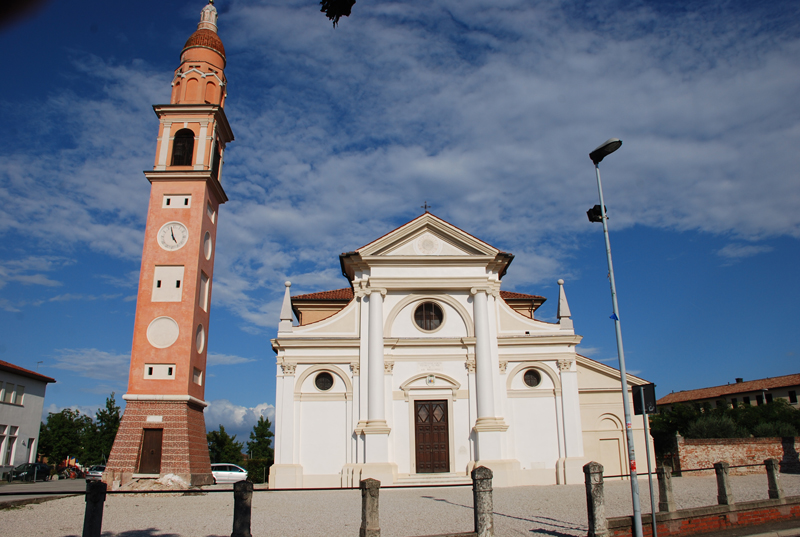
column 715, row 427
column 773, row 428
column 258, row 470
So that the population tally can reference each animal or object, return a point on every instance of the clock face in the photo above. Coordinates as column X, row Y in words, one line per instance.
column 172, row 236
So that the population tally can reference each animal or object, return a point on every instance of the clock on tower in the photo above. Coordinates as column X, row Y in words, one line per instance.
column 163, row 429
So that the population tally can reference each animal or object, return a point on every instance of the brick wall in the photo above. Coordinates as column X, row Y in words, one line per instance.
column 184, row 448
column 710, row 519
column 703, row 453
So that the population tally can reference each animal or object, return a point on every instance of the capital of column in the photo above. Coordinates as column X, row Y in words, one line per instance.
column 380, row 290
column 288, row 368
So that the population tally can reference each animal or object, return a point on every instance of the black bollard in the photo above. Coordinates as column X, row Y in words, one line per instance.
column 93, row 517
column 242, row 508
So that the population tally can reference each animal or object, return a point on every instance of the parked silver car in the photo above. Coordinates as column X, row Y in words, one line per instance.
column 95, row 473
column 228, row 473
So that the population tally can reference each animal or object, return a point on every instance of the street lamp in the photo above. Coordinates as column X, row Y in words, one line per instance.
column 602, row 151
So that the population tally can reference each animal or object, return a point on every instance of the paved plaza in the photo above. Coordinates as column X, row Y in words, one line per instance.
column 547, row 510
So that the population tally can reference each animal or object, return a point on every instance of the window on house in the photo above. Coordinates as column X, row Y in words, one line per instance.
column 746, row 400
column 768, row 397
column 8, row 393
column 183, row 148
column 20, row 393
column 759, row 400
column 793, row 396
column 734, row 402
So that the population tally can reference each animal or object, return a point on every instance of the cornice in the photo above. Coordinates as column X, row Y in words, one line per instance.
column 439, row 284
column 155, row 176
column 225, row 132
column 539, row 339
column 165, row 398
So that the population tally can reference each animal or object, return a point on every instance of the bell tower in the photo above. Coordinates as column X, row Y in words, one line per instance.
column 163, row 429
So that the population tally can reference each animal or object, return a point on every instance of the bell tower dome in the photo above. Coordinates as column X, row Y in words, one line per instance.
column 163, row 428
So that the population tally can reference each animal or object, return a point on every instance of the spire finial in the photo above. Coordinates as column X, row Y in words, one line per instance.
column 286, row 311
column 425, row 206
column 208, row 17
column 564, row 315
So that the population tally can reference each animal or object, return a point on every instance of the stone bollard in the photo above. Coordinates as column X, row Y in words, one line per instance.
column 773, row 478
column 666, row 503
column 595, row 501
column 242, row 508
column 724, row 492
column 483, row 506
column 93, row 517
column 370, row 516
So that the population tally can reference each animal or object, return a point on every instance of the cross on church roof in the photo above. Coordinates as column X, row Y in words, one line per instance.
column 425, row 206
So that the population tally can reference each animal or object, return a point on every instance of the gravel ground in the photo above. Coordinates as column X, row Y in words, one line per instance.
column 552, row 510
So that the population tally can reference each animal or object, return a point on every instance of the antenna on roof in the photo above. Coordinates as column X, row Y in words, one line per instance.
column 425, row 206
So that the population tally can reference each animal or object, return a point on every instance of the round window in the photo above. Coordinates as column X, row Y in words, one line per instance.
column 428, row 316
column 532, row 378
column 324, row 381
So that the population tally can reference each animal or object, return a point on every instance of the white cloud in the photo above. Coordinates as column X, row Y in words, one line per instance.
column 734, row 252
column 226, row 359
column 236, row 419
column 485, row 110
column 89, row 410
column 94, row 364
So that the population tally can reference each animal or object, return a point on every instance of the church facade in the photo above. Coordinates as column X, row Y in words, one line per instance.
column 425, row 368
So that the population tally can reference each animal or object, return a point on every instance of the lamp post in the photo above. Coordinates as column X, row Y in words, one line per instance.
column 602, row 151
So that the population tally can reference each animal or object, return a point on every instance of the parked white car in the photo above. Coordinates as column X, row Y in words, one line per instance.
column 228, row 473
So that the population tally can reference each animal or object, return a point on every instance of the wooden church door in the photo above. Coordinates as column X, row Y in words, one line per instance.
column 432, row 436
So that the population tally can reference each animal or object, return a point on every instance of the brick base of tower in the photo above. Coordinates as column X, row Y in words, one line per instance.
column 184, row 449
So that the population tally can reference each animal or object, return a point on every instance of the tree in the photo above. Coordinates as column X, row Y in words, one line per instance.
column 224, row 448
column 106, row 425
column 64, row 435
column 260, row 444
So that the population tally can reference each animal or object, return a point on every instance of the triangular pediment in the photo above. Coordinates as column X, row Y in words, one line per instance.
column 428, row 235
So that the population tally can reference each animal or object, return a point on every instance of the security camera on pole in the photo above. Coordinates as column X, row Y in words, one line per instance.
column 595, row 214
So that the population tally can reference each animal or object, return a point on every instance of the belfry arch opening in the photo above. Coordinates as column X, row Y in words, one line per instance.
column 183, row 148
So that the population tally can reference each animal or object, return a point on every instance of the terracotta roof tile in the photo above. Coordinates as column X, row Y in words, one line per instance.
column 11, row 368
column 510, row 295
column 730, row 389
column 207, row 39
column 336, row 294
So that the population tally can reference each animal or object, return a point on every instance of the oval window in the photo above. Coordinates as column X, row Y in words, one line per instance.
column 428, row 316
column 532, row 378
column 324, row 381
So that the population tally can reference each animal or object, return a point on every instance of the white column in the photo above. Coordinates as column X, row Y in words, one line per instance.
column 285, row 452
column 164, row 149
column 489, row 428
column 375, row 388
column 201, row 147
column 376, row 431
column 483, row 355
column 570, row 402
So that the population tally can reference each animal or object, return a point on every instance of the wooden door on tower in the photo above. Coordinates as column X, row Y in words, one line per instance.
column 150, row 457
column 432, row 437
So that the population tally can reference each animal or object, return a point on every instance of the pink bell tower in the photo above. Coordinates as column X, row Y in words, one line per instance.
column 163, row 429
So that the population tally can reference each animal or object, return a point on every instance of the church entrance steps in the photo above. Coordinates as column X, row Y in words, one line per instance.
column 438, row 479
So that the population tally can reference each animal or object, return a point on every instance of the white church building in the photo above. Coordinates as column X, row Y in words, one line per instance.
column 424, row 368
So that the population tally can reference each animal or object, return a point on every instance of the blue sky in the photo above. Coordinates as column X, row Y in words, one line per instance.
column 486, row 109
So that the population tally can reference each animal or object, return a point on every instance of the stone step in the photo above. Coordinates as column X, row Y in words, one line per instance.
column 432, row 479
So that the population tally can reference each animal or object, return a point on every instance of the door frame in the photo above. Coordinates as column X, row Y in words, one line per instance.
column 430, row 395
column 141, row 450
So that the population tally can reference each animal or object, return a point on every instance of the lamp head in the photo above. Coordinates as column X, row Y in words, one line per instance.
column 605, row 149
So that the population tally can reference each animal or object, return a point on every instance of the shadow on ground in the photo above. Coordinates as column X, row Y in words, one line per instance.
column 552, row 525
